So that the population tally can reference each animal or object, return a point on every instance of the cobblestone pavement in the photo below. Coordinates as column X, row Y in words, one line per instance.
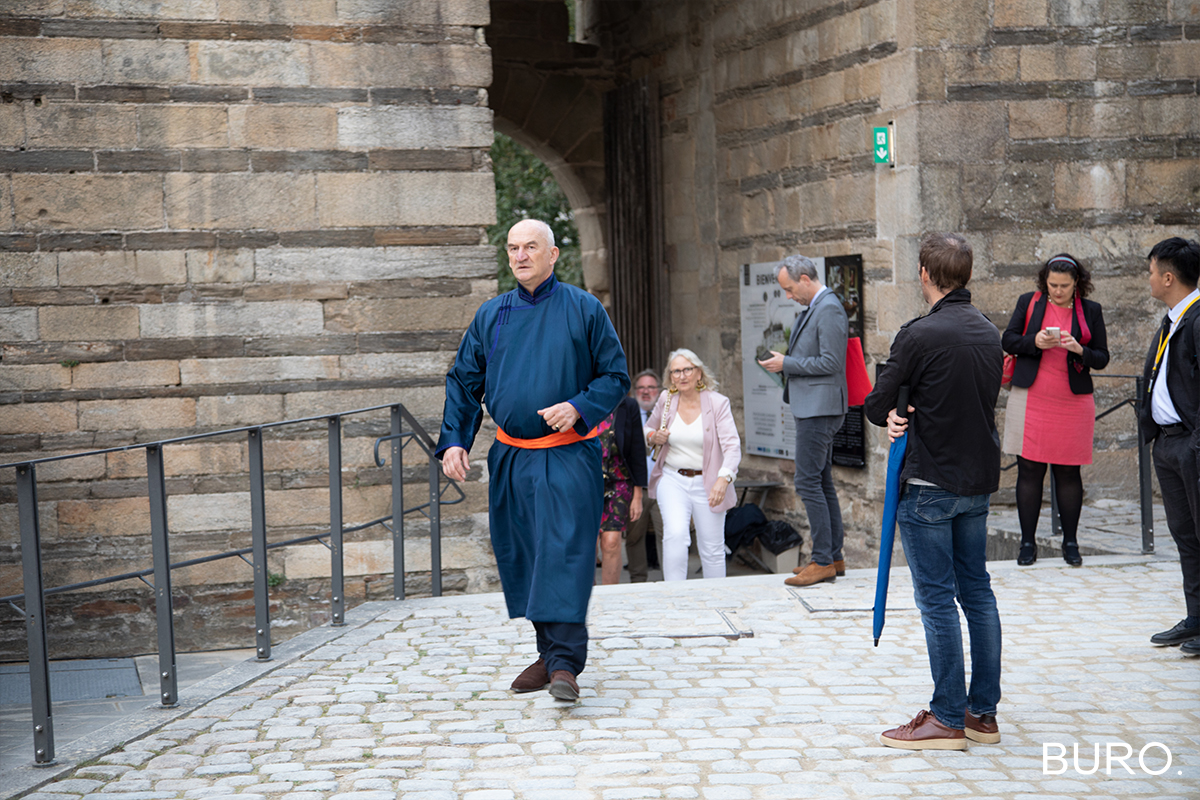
column 739, row 688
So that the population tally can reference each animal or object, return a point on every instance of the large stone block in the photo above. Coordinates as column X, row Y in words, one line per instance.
column 253, row 370
column 182, row 126
column 12, row 124
column 97, row 268
column 51, row 61
column 416, row 12
column 961, row 132
column 38, row 418
column 373, row 264
column 231, row 319
column 33, row 378
column 188, row 513
column 1037, row 119
column 1164, row 183
column 88, row 202
column 373, row 366
column 414, row 127
column 1089, row 185
column 309, row 11
column 125, row 374
column 84, row 323
column 253, row 63
column 191, row 458
column 63, row 125
column 145, row 61
column 368, row 315
column 139, row 9
column 1058, row 63
column 292, row 127
column 140, row 415
column 1021, row 14
column 234, row 410
column 295, row 454
column 18, row 324
column 220, row 266
column 406, row 198
column 69, row 469
column 258, row 202
column 126, row 516
column 422, row 402
column 400, row 65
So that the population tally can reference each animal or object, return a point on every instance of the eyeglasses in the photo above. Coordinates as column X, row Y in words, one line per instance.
column 653, row 388
column 682, row 373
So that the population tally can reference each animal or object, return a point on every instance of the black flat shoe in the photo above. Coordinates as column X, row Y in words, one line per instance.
column 1178, row 635
column 1071, row 554
column 1028, row 554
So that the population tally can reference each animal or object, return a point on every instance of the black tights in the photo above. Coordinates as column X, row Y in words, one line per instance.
column 1068, row 486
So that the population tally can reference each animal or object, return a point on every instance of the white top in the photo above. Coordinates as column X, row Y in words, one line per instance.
column 1161, row 407
column 687, row 444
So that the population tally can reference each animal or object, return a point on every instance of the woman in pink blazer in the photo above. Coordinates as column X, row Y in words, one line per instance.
column 697, row 456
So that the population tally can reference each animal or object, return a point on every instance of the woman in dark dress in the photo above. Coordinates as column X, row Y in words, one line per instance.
column 624, row 456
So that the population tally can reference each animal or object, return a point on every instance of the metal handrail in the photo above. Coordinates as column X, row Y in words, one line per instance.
column 31, row 555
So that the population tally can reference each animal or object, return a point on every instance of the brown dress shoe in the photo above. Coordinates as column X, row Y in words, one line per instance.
column 982, row 728
column 924, row 733
column 813, row 573
column 563, row 685
column 534, row 678
column 839, row 565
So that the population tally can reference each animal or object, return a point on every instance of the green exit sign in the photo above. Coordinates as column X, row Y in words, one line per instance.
column 883, row 145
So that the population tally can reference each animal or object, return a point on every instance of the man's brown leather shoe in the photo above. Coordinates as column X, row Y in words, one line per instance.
column 924, row 733
column 813, row 573
column 982, row 728
column 563, row 685
column 534, row 678
column 839, row 565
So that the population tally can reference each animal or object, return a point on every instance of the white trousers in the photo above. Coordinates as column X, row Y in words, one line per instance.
column 682, row 500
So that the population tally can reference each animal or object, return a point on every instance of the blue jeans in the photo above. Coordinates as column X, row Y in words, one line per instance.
column 945, row 541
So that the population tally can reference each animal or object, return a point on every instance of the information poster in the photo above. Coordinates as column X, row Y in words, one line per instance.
column 767, row 319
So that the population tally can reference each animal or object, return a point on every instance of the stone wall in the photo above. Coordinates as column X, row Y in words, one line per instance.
column 216, row 214
column 1031, row 126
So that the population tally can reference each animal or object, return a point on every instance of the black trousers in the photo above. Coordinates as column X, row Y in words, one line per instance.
column 1175, row 463
column 563, row 645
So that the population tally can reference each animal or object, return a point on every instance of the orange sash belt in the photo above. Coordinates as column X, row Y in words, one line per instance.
column 556, row 439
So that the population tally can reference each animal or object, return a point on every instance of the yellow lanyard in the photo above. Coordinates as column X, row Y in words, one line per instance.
column 1163, row 338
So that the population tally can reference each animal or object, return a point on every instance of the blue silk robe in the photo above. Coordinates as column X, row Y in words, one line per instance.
column 522, row 353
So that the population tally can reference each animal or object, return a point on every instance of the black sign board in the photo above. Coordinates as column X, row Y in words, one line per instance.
column 844, row 277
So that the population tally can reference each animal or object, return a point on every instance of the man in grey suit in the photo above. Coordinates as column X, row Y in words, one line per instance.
column 815, row 387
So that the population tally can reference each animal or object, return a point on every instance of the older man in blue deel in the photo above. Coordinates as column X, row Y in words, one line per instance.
column 546, row 360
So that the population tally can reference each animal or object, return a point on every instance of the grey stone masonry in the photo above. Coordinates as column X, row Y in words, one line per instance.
column 216, row 214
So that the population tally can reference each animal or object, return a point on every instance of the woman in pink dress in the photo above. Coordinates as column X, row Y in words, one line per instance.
column 1057, row 337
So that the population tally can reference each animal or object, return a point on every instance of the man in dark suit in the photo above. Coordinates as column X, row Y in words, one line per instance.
column 1169, row 417
column 815, row 387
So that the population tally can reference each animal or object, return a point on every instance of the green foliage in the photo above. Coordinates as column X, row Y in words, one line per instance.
column 69, row 363
column 275, row 579
column 525, row 189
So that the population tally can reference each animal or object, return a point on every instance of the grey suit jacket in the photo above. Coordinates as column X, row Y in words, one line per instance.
column 814, row 368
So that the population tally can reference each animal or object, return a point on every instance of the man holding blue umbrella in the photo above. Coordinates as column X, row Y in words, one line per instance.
column 952, row 360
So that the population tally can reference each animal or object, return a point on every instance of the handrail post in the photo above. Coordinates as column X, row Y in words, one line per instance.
column 35, row 615
column 337, row 575
column 258, row 542
column 155, row 477
column 397, row 505
column 1145, row 486
column 435, row 526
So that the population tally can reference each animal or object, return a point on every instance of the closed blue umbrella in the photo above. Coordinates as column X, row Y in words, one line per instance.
column 891, row 501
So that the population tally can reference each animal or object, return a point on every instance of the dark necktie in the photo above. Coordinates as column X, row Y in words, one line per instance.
column 1164, row 334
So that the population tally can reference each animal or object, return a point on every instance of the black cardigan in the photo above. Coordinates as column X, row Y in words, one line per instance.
column 1029, row 357
column 631, row 441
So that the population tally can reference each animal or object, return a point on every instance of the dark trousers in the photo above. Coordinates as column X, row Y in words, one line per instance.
column 814, row 484
column 635, row 539
column 1175, row 465
column 563, row 645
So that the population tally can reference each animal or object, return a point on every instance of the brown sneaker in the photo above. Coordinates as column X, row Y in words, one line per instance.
column 563, row 685
column 813, row 573
column 924, row 733
column 534, row 678
column 982, row 728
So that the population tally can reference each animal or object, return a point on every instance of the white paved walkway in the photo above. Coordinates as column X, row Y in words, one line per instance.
column 411, row 701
